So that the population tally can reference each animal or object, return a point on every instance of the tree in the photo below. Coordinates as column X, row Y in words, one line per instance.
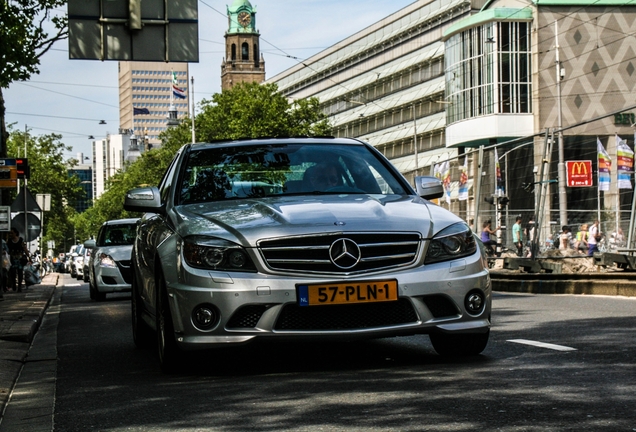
column 247, row 110
column 24, row 39
column 253, row 110
column 49, row 175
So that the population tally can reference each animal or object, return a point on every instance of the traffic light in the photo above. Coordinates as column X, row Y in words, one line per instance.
column 24, row 171
column 490, row 199
column 504, row 200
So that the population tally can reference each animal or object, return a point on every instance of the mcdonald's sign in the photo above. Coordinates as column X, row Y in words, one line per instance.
column 579, row 173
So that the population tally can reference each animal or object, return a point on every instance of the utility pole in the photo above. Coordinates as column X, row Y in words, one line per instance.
column 563, row 198
column 415, row 138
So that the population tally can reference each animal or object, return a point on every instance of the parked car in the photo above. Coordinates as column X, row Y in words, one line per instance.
column 85, row 263
column 77, row 262
column 308, row 238
column 109, row 263
column 68, row 258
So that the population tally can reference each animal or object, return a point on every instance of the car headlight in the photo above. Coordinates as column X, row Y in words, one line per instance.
column 106, row 261
column 453, row 242
column 216, row 254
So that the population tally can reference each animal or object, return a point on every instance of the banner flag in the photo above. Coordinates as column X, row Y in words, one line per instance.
column 624, row 164
column 436, row 172
column 499, row 189
column 604, row 167
column 177, row 92
column 463, row 181
column 446, row 179
column 140, row 111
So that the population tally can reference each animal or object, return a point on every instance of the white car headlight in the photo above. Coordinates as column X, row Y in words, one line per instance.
column 106, row 261
column 453, row 242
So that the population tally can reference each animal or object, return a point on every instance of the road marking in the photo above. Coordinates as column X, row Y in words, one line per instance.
column 75, row 284
column 542, row 345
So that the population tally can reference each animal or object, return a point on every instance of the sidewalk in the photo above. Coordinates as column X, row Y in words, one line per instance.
column 20, row 317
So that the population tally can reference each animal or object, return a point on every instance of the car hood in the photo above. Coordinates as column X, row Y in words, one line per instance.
column 118, row 253
column 247, row 221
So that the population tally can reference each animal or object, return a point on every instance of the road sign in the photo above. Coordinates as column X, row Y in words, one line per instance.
column 33, row 226
column 579, row 173
column 5, row 218
column 8, row 173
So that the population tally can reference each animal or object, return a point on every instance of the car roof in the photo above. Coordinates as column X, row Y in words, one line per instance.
column 121, row 221
column 274, row 141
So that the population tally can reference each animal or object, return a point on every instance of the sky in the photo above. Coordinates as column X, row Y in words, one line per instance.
column 71, row 97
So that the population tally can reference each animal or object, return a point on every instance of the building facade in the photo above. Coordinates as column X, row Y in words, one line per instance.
column 150, row 86
column 109, row 157
column 243, row 62
column 479, row 84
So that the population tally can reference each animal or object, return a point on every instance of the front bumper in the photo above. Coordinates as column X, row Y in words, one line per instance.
column 110, row 280
column 249, row 306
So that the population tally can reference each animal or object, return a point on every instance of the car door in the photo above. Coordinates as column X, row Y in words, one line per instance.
column 153, row 229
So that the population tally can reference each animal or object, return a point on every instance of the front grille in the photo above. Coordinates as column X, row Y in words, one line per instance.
column 311, row 253
column 246, row 317
column 124, row 269
column 346, row 317
column 440, row 306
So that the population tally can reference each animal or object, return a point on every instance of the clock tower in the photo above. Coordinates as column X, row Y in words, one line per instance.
column 243, row 61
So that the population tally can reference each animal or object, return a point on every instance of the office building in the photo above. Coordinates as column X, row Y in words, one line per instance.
column 440, row 79
column 148, row 89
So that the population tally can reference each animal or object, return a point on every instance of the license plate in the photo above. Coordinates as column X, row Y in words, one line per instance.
column 347, row 293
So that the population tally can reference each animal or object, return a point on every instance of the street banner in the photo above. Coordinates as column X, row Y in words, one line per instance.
column 624, row 164
column 463, row 181
column 604, row 167
column 499, row 189
column 446, row 179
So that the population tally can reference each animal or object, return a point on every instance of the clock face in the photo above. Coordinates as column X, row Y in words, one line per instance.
column 244, row 19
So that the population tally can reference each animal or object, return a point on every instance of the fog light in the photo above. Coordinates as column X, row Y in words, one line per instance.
column 205, row 317
column 475, row 302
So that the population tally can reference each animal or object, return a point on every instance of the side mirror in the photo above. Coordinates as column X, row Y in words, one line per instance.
column 429, row 187
column 90, row 244
column 144, row 200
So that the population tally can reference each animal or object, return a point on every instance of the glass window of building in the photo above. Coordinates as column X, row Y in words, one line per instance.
column 488, row 71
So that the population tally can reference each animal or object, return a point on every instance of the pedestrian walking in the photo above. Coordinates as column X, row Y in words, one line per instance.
column 19, row 257
column 593, row 238
column 517, row 236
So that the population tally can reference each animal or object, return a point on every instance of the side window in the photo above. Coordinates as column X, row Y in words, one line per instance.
column 100, row 236
column 168, row 179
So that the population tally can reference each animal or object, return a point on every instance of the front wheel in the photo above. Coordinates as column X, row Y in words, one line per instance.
column 142, row 335
column 168, row 350
column 467, row 344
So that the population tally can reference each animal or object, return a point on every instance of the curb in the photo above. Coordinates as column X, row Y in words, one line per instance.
column 20, row 319
column 610, row 284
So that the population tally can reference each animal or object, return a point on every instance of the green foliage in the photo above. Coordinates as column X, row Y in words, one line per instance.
column 49, row 175
column 247, row 110
column 24, row 38
column 257, row 110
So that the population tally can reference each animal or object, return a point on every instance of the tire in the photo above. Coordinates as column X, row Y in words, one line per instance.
column 142, row 334
column 167, row 349
column 91, row 290
column 459, row 345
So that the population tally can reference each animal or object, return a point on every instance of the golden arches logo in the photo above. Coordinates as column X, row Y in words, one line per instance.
column 578, row 168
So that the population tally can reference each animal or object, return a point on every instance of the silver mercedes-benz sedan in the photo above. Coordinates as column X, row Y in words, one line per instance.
column 300, row 238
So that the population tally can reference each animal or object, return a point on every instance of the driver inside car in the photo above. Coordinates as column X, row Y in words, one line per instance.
column 323, row 177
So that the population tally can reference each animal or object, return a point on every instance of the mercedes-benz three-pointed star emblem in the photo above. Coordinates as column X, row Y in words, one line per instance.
column 345, row 253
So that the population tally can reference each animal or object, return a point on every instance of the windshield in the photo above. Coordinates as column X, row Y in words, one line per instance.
column 222, row 173
column 117, row 235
